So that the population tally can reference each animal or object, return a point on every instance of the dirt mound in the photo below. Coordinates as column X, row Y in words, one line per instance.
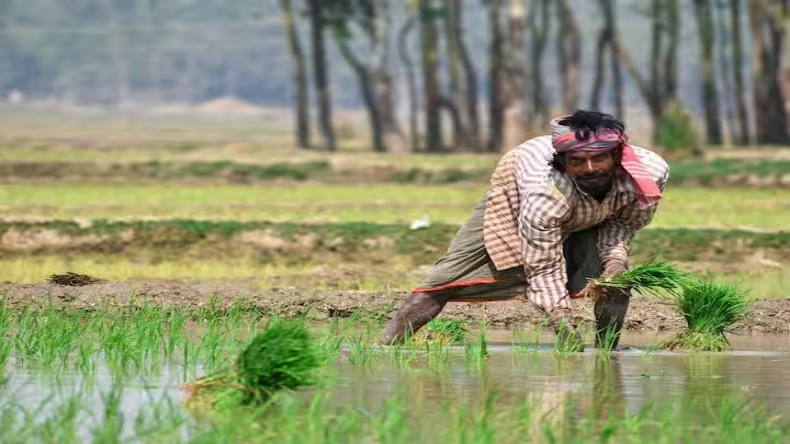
column 71, row 279
column 645, row 314
column 230, row 106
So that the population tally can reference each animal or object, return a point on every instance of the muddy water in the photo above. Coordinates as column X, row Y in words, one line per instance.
column 758, row 369
column 628, row 380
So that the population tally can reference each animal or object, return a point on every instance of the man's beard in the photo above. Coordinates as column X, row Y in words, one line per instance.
column 595, row 189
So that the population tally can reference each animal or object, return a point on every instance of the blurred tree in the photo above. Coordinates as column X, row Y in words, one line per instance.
column 744, row 133
column 659, row 90
column 412, row 19
column 370, row 19
column 302, row 105
column 767, row 19
column 539, row 24
column 515, row 101
column 318, row 22
column 430, row 14
column 607, row 41
column 710, row 95
column 569, row 55
column 463, row 81
column 496, row 75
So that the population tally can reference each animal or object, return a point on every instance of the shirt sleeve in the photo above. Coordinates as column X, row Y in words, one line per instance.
column 615, row 234
column 542, row 215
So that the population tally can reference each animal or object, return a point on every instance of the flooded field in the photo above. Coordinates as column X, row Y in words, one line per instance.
column 114, row 375
column 192, row 243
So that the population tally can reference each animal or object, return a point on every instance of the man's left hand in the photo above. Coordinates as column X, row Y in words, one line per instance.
column 613, row 269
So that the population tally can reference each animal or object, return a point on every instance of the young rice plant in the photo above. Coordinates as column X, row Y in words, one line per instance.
column 282, row 357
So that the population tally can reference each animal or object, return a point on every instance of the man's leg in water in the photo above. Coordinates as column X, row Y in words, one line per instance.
column 583, row 263
column 464, row 272
column 415, row 312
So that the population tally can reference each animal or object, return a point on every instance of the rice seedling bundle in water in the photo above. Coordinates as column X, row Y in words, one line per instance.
column 709, row 309
column 282, row 357
column 654, row 276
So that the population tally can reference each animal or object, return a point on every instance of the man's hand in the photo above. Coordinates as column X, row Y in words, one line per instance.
column 614, row 268
column 611, row 269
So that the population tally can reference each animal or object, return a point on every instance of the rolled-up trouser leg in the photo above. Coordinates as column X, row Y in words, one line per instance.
column 415, row 312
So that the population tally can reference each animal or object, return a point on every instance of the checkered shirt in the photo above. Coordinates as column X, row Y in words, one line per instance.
column 531, row 209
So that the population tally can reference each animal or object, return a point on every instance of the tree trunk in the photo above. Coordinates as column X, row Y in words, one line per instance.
column 456, row 95
column 724, row 66
column 539, row 27
column 744, row 130
column 373, row 75
column 767, row 38
column 496, row 76
column 366, row 88
column 600, row 68
column 605, row 40
column 617, row 75
column 299, row 76
column 463, row 86
column 383, row 86
column 670, row 61
column 472, row 115
column 429, row 38
column 569, row 48
column 710, row 96
column 657, row 91
column 411, row 80
column 321, row 75
column 514, row 78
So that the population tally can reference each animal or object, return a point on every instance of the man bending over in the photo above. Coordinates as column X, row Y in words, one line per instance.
column 560, row 209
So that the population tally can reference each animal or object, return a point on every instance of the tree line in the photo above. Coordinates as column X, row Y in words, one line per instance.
column 455, row 102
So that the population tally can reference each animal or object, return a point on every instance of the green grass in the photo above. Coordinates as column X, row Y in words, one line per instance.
column 691, row 207
column 709, row 170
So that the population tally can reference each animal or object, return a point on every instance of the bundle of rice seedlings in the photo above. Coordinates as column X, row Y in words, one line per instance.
column 710, row 309
column 654, row 276
column 282, row 357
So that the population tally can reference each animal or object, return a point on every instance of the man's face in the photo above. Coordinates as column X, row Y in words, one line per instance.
column 592, row 170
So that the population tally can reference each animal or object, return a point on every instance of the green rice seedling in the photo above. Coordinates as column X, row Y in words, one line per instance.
column 437, row 355
column 709, row 309
column 654, row 276
column 401, row 354
column 360, row 353
column 478, row 351
column 282, row 357
column 174, row 338
column 442, row 331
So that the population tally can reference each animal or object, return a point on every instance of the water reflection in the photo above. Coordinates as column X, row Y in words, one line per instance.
column 587, row 385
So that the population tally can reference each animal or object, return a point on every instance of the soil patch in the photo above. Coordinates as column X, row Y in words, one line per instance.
column 645, row 314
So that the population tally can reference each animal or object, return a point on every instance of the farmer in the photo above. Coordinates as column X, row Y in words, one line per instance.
column 560, row 209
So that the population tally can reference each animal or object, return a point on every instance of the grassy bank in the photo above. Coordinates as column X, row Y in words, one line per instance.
column 348, row 203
